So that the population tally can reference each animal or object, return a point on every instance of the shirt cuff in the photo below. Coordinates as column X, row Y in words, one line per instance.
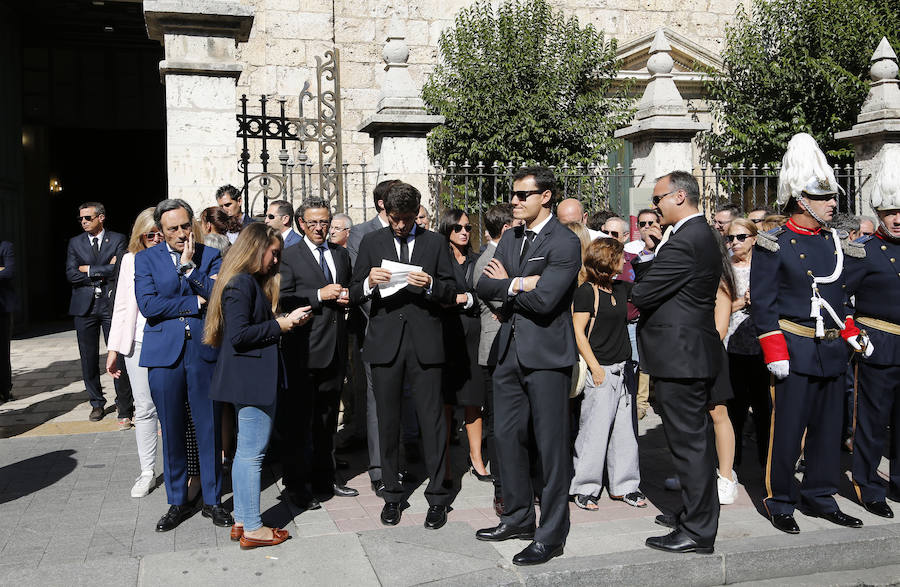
column 470, row 301
column 510, row 292
column 645, row 256
column 319, row 294
column 88, row 271
column 367, row 289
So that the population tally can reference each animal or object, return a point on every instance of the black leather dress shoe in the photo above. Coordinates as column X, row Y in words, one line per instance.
column 667, row 520
column 304, row 501
column 176, row 515
column 436, row 516
column 537, row 553
column 96, row 414
column 677, row 541
column 785, row 523
column 841, row 519
column 390, row 513
column 378, row 487
column 344, row 491
column 219, row 515
column 879, row 508
column 505, row 532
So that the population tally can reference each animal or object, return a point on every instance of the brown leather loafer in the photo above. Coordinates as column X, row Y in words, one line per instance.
column 278, row 536
column 236, row 533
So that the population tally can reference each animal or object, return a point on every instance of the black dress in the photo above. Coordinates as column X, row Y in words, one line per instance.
column 463, row 383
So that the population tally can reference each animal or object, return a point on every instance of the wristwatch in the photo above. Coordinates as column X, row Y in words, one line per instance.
column 185, row 267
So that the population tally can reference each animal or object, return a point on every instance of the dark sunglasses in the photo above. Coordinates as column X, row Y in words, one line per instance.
column 270, row 216
column 740, row 237
column 646, row 223
column 523, row 195
column 152, row 236
column 657, row 199
column 88, row 218
column 613, row 233
column 462, row 227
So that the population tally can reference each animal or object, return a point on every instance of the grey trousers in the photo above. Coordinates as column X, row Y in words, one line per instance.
column 606, row 439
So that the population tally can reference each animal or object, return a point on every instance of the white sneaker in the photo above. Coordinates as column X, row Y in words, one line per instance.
column 143, row 484
column 727, row 488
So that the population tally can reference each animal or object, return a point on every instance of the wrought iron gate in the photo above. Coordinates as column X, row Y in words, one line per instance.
column 299, row 176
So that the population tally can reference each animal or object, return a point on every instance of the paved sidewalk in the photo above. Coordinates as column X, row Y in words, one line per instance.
column 67, row 518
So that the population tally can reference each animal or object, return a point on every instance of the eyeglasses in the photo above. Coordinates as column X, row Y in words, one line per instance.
column 270, row 216
column 339, row 229
column 757, row 220
column 866, row 233
column 462, row 227
column 523, row 195
column 316, row 222
column 740, row 237
column 613, row 233
column 152, row 236
column 657, row 199
column 88, row 218
column 646, row 223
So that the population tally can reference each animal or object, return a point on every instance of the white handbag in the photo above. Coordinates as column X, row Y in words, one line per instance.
column 580, row 369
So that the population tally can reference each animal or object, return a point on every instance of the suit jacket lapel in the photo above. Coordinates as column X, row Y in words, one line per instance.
column 417, row 251
column 390, row 251
column 338, row 262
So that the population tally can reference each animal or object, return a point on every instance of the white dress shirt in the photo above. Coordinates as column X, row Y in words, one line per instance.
column 329, row 259
column 536, row 230
column 99, row 238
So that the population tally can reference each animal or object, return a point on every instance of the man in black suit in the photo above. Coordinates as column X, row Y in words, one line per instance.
column 680, row 348
column 534, row 270
column 91, row 269
column 359, row 317
column 314, row 273
column 7, row 306
column 404, row 343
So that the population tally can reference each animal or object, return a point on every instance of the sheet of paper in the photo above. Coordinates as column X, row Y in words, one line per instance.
column 399, row 273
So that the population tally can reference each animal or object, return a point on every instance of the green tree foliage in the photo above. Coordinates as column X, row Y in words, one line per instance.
column 794, row 66
column 523, row 83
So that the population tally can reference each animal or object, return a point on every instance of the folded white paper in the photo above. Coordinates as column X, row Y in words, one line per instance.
column 399, row 273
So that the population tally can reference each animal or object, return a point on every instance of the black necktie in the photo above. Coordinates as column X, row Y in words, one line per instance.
column 529, row 237
column 95, row 244
column 324, row 264
column 404, row 251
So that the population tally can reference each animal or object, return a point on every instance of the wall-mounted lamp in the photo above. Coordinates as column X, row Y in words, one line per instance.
column 55, row 186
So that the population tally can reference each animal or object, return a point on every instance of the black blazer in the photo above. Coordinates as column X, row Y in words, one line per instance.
column 676, row 294
column 249, row 367
column 103, row 273
column 7, row 287
column 317, row 342
column 412, row 307
column 541, row 319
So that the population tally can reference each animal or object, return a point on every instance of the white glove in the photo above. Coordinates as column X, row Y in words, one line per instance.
column 779, row 369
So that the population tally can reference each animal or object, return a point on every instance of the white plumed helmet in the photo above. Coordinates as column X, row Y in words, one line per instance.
column 886, row 191
column 804, row 169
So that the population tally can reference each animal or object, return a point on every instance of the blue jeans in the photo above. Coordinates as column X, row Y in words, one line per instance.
column 254, row 429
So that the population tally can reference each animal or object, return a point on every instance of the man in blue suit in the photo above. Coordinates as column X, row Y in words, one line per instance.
column 91, row 269
column 173, row 282
column 280, row 216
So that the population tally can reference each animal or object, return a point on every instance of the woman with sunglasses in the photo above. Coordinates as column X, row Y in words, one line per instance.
column 125, row 335
column 463, row 383
column 749, row 377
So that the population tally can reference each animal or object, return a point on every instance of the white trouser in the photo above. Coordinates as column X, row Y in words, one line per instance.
column 145, row 420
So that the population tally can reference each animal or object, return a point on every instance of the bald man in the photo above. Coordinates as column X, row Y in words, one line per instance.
column 571, row 210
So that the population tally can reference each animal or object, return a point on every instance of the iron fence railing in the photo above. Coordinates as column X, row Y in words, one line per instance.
column 296, row 182
column 752, row 186
column 475, row 188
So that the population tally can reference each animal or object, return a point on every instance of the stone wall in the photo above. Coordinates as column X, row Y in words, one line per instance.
column 288, row 34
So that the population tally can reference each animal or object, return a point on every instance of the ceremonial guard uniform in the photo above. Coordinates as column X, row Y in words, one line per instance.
column 797, row 294
column 875, row 281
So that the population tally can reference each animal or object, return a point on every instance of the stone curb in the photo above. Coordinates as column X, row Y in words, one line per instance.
column 735, row 561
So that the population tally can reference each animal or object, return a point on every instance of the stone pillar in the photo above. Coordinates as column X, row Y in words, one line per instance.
column 877, row 128
column 400, row 122
column 662, row 130
column 200, row 73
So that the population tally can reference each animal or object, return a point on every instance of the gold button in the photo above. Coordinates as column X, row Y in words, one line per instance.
column 883, row 247
column 793, row 241
column 802, row 256
column 844, row 286
column 835, row 252
column 809, row 273
column 893, row 260
column 826, row 237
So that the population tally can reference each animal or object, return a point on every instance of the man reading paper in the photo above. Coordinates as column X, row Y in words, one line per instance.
column 404, row 343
